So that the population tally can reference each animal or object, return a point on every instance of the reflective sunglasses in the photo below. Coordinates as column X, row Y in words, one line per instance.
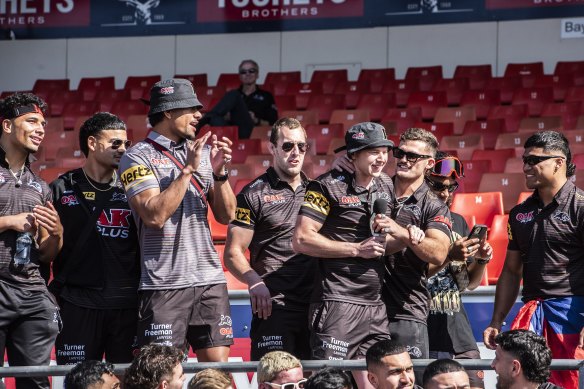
column 440, row 187
column 116, row 143
column 447, row 167
column 248, row 71
column 290, row 385
column 302, row 146
column 533, row 160
column 410, row 157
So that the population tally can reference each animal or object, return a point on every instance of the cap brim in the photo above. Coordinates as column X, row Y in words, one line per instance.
column 379, row 143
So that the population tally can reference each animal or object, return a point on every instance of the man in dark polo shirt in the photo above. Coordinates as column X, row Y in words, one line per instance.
column 246, row 106
column 405, row 288
column 546, row 251
column 30, row 233
column 280, row 281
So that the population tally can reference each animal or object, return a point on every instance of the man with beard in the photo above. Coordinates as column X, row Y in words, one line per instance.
column 96, row 273
column 30, row 233
column 279, row 280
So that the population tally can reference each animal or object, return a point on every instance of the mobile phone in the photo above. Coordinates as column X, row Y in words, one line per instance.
column 478, row 231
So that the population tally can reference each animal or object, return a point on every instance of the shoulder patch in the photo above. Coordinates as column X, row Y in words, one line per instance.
column 134, row 175
column 316, row 201
column 243, row 215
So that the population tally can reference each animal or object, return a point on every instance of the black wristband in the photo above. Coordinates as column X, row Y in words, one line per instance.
column 483, row 261
column 220, row 178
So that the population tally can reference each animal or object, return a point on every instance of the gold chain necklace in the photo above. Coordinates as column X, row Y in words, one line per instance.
column 114, row 177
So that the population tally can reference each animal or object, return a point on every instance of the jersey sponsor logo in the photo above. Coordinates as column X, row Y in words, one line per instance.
column 36, row 186
column 351, row 201
column 69, row 200
column 225, row 324
column 134, row 175
column 119, row 197
column 414, row 351
column 114, row 223
column 316, row 201
column 414, row 209
column 89, row 195
column 561, row 216
column 524, row 217
column 509, row 233
column 225, row 320
column 256, row 183
column 443, row 219
column 161, row 162
column 277, row 198
column 271, row 342
column 243, row 215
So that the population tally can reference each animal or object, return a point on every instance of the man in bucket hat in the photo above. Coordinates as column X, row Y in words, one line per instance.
column 334, row 225
column 170, row 179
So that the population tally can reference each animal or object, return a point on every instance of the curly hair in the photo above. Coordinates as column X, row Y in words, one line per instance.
column 274, row 362
column 10, row 103
column 101, row 121
column 87, row 373
column 210, row 379
column 531, row 350
column 154, row 363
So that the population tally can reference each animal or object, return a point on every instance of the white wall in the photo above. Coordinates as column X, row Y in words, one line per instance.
column 495, row 43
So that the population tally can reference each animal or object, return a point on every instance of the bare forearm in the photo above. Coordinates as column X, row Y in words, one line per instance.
column 158, row 209
column 223, row 202
column 238, row 265
column 316, row 245
column 430, row 250
column 50, row 247
column 505, row 296
column 475, row 274
column 6, row 223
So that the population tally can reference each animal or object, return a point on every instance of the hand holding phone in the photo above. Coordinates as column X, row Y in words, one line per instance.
column 479, row 231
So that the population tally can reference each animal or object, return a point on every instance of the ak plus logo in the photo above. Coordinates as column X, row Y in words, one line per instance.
column 114, row 223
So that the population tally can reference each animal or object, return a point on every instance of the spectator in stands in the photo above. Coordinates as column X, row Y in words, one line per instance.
column 170, row 180
column 445, row 373
column 522, row 360
column 405, row 287
column 210, row 379
column 450, row 333
column 280, row 370
column 96, row 273
column 280, row 281
column 245, row 107
column 329, row 378
column 91, row 374
column 546, row 251
column 30, row 233
column 389, row 366
column 156, row 366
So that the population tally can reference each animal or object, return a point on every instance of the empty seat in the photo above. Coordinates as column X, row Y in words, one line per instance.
column 559, row 84
column 69, row 158
column 50, row 174
column 244, row 148
column 107, row 98
column 481, row 100
column 568, row 111
column 534, row 98
column 524, row 69
column 377, row 104
column 329, row 78
column 523, row 196
column 55, row 140
column 218, row 230
column 90, row 87
column 139, row 86
column 541, row 124
column 198, row 80
column 575, row 93
column 425, row 76
column 454, row 88
column 473, row 171
column 285, row 102
column 348, row 117
column 377, row 78
column 54, row 125
column 229, row 81
column 509, row 184
column 58, row 99
column 458, row 116
column 514, row 140
column 575, row 137
column 569, row 67
column 242, row 171
column 439, row 130
column 123, row 109
column 483, row 206
column 210, row 95
column 401, row 89
column 477, row 75
column 400, row 119
column 221, row 131
column 497, row 157
column 352, row 90
column 512, row 114
column 464, row 145
column 321, row 164
column 138, row 127
column 489, row 129
column 324, row 105
column 73, row 111
column 514, row 165
column 305, row 117
column 261, row 132
column 282, row 77
column 303, row 91
column 44, row 87
column 323, row 133
column 429, row 102
column 499, row 240
column 506, row 87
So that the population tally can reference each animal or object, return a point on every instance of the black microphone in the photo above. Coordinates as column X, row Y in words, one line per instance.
column 379, row 208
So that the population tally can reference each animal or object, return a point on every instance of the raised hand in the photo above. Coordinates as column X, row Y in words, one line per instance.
column 221, row 154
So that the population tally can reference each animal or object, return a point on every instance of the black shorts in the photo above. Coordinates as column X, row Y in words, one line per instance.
column 476, row 377
column 285, row 330
column 199, row 316
column 89, row 333
column 413, row 335
column 340, row 330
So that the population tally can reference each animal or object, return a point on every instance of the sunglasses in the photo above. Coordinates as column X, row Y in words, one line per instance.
column 116, row 143
column 291, row 385
column 302, row 146
column 440, row 187
column 447, row 167
column 248, row 71
column 533, row 160
column 410, row 157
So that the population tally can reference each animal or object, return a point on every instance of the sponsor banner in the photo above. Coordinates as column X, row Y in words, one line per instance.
column 44, row 13
column 246, row 10
column 507, row 4
column 572, row 28
column 129, row 13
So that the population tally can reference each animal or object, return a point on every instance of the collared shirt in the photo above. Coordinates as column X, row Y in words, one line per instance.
column 14, row 201
column 405, row 289
column 269, row 207
column 345, row 211
column 262, row 104
column 551, row 242
column 180, row 254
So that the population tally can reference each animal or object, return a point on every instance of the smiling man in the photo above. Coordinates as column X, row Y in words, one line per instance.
column 546, row 251
column 389, row 366
column 30, row 233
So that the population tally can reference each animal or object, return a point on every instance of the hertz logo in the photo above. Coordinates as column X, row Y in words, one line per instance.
column 134, row 175
column 89, row 195
column 317, row 202
column 243, row 215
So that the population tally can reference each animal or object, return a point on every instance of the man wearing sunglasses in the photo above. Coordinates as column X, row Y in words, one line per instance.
column 171, row 180
column 280, row 370
column 245, row 107
column 279, row 280
column 546, row 251
column 96, row 273
column 450, row 331
column 405, row 289
column 334, row 226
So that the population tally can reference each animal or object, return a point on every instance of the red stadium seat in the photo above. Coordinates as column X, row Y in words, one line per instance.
column 69, row 158
column 401, row 119
column 321, row 164
column 58, row 99
column 509, row 184
column 282, row 78
column 541, row 124
column 569, row 112
column 240, row 184
column 569, row 67
column 575, row 137
column 244, row 148
column 349, row 117
column 514, row 165
column 329, row 78
column 458, row 116
column 209, row 96
column 483, row 206
column 534, row 98
column 506, row 87
column 559, row 84
column 124, row 109
column 107, row 98
column 352, row 90
column 464, row 145
column 376, row 104
column 335, row 144
column 482, row 100
column 473, row 171
column 138, row 127
column 75, row 110
column 523, row 196
column 429, row 102
column 401, row 89
column 454, row 88
column 44, row 87
column 425, row 76
column 50, row 174
column 303, row 91
column 575, row 93
column 324, row 105
column 439, row 130
column 524, row 69
column 55, row 140
column 377, row 78
column 323, row 133
column 198, row 80
column 230, row 132
column 229, row 81
column 489, row 129
column 497, row 158
column 304, row 117
column 285, row 102
column 580, row 123
column 498, row 239
column 514, row 140
column 90, row 87
column 54, row 125
column 241, row 171
column 512, row 114
column 139, row 86
column 478, row 75
column 218, row 230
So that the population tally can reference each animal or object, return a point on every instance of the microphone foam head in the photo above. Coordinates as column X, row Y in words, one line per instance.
column 380, row 206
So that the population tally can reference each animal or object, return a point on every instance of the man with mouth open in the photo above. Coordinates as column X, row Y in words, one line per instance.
column 171, row 179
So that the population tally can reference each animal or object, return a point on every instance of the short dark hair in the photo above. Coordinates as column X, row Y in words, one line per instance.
column 97, row 123
column 291, row 123
column 531, row 350
column 440, row 366
column 154, row 363
column 421, row 135
column 19, row 99
column 382, row 349
column 87, row 373
column 556, row 141
column 329, row 378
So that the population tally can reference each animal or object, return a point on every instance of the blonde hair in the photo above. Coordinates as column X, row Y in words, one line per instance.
column 210, row 379
column 275, row 362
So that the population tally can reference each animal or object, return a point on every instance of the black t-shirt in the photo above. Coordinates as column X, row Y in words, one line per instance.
column 269, row 207
column 345, row 211
column 551, row 242
column 107, row 275
column 451, row 332
column 262, row 104
column 405, row 291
